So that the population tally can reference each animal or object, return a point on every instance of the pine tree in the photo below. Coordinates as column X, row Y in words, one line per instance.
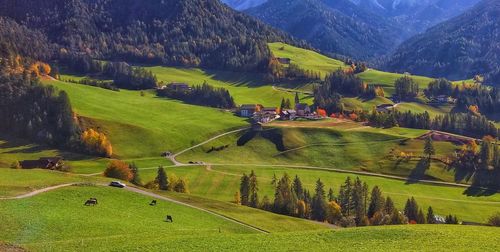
column 331, row 196
column 162, row 179
column 136, row 179
column 297, row 188
column 245, row 189
column 274, row 181
column 377, row 202
column 345, row 197
column 319, row 203
column 420, row 217
column 411, row 209
column 297, row 99
column 253, row 190
column 431, row 219
column 429, row 148
column 358, row 201
column 283, row 105
column 389, row 205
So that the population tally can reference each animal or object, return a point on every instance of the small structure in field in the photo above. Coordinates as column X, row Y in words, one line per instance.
column 266, row 114
column 442, row 99
column 385, row 108
column 302, row 109
column 178, row 86
column 248, row 110
column 51, row 163
column 284, row 61
column 288, row 114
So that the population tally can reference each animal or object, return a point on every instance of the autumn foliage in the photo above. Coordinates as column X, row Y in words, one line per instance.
column 39, row 68
column 96, row 143
column 119, row 170
column 321, row 112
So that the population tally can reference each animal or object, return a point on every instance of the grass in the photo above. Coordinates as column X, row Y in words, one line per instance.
column 345, row 146
column 306, row 59
column 387, row 80
column 246, row 88
column 58, row 221
column 221, row 182
column 144, row 126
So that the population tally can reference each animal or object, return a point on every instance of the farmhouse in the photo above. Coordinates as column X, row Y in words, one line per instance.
column 442, row 99
column 302, row 109
column 285, row 61
column 288, row 114
column 51, row 163
column 247, row 110
column 178, row 86
column 266, row 114
column 385, row 108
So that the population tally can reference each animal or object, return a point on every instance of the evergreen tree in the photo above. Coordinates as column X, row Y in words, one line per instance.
column 283, row 105
column 431, row 219
column 420, row 217
column 377, row 202
column 331, row 196
column 285, row 200
column 245, row 189
column 389, row 205
column 345, row 197
column 429, row 149
column 136, row 179
column 411, row 209
column 358, row 201
column 297, row 99
column 162, row 179
column 253, row 190
column 274, row 181
column 319, row 203
column 297, row 188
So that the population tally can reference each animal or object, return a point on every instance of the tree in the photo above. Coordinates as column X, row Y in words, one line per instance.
column 494, row 220
column 358, row 200
column 406, row 88
column 333, row 213
column 429, row 149
column 431, row 219
column 331, row 196
column 301, row 209
column 389, row 205
column 319, row 203
column 377, row 202
column 245, row 189
column 297, row 99
column 253, row 190
column 136, row 179
column 297, row 187
column 119, row 170
column 285, row 200
column 411, row 209
column 274, row 181
column 162, row 179
column 420, row 217
column 181, row 186
column 15, row 165
column 237, row 198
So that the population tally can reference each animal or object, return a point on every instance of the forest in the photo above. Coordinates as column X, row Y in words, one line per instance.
column 187, row 33
column 203, row 94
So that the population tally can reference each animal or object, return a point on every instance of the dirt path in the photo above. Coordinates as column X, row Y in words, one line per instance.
column 36, row 192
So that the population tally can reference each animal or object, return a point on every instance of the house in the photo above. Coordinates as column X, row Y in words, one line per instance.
column 273, row 111
column 266, row 114
column 288, row 114
column 385, row 108
column 285, row 61
column 178, row 86
column 302, row 109
column 247, row 110
column 51, row 163
column 442, row 99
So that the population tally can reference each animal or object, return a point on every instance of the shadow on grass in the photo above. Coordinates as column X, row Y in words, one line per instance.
column 418, row 172
column 479, row 191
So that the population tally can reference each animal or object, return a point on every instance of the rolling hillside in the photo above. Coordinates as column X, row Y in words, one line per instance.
column 457, row 49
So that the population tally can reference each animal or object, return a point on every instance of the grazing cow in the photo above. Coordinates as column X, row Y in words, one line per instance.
column 169, row 219
column 153, row 203
column 91, row 202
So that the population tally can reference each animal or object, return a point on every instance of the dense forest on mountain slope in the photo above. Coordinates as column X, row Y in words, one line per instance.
column 187, row 32
column 459, row 48
column 352, row 33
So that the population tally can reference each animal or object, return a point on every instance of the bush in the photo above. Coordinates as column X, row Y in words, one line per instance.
column 119, row 170
column 95, row 142
column 494, row 220
column 15, row 165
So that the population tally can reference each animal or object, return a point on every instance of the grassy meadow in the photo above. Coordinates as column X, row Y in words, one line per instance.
column 220, row 183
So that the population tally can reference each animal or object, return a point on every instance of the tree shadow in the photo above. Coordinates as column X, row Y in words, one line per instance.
column 418, row 172
column 479, row 191
column 276, row 137
column 246, row 137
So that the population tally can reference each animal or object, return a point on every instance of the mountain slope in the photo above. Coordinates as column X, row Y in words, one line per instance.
column 321, row 24
column 180, row 32
column 459, row 48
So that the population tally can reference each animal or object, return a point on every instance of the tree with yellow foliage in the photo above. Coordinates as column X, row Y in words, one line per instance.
column 97, row 143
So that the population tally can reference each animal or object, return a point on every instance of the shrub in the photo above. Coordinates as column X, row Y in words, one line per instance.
column 494, row 220
column 15, row 165
column 96, row 143
column 119, row 170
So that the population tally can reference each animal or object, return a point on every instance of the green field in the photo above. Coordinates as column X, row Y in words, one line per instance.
column 58, row 220
column 246, row 88
column 221, row 182
column 386, row 80
column 144, row 126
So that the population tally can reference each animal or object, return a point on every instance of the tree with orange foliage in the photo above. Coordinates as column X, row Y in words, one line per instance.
column 474, row 109
column 97, row 143
column 353, row 116
column 321, row 112
column 119, row 170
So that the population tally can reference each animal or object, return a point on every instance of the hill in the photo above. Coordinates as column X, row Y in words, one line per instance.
column 457, row 49
column 186, row 32
column 357, row 34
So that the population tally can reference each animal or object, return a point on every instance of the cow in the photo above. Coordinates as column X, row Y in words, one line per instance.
column 153, row 203
column 169, row 219
column 91, row 202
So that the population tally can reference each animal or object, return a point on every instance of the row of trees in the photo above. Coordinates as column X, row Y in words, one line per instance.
column 204, row 94
column 406, row 88
column 353, row 206
column 460, row 123
column 122, row 74
column 277, row 72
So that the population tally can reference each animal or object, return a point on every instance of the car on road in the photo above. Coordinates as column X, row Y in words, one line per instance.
column 117, row 184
